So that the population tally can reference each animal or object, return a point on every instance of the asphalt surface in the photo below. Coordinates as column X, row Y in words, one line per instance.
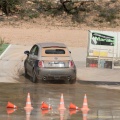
column 103, row 103
column 100, row 85
column 12, row 66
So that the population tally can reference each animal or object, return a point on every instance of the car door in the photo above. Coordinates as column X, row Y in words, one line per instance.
column 35, row 57
column 31, row 59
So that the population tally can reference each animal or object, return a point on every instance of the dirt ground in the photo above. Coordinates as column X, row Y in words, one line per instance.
column 29, row 33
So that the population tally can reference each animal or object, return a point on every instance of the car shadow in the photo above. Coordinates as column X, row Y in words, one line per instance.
column 53, row 82
column 28, row 79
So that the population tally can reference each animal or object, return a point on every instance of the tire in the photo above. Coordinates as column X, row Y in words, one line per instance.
column 34, row 78
column 72, row 81
column 26, row 74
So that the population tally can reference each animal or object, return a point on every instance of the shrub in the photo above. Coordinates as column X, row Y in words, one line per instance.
column 1, row 41
column 8, row 6
column 108, row 14
column 33, row 15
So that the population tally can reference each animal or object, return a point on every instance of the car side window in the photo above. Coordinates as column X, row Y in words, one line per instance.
column 34, row 50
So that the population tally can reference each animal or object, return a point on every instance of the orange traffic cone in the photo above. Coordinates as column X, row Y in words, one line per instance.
column 10, row 111
column 73, row 107
column 45, row 106
column 85, row 104
column 61, row 106
column 28, row 102
column 85, row 113
column 10, row 105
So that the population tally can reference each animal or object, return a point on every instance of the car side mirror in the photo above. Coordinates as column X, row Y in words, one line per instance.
column 70, row 52
column 27, row 52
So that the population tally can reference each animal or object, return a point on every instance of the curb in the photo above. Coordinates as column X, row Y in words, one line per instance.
column 5, row 51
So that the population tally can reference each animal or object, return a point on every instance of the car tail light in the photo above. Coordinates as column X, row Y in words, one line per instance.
column 71, row 64
column 41, row 64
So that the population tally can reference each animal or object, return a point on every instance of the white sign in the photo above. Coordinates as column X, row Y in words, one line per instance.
column 104, row 44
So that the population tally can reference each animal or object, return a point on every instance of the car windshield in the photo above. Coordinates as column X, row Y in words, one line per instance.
column 55, row 51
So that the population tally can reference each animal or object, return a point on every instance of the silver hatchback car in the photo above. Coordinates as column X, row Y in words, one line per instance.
column 50, row 61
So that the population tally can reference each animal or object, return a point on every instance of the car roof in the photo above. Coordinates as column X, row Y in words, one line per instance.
column 50, row 44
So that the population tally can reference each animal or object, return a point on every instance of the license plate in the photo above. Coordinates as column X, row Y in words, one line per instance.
column 58, row 64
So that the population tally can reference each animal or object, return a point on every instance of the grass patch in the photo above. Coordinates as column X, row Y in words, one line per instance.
column 3, row 47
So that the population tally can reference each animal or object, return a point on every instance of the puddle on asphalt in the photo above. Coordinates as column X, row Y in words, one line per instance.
column 37, row 113
column 50, row 93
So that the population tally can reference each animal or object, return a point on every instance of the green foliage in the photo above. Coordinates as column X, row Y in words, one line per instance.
column 113, row 1
column 79, row 18
column 1, row 40
column 9, row 5
column 33, row 15
column 22, row 13
column 109, row 14
column 79, row 11
column 3, row 47
column 28, row 13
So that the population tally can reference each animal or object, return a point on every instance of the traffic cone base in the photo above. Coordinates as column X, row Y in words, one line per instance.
column 28, row 108
column 85, row 109
column 28, row 111
column 10, row 105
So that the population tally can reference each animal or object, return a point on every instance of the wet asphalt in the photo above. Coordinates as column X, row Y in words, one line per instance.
column 103, row 100
column 103, row 103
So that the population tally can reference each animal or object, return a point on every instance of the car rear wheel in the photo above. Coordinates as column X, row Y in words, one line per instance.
column 72, row 81
column 26, row 74
column 34, row 78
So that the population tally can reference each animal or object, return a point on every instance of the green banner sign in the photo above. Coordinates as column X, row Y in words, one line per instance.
column 102, row 39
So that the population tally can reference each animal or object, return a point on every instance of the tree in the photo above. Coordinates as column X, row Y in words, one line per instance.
column 7, row 6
